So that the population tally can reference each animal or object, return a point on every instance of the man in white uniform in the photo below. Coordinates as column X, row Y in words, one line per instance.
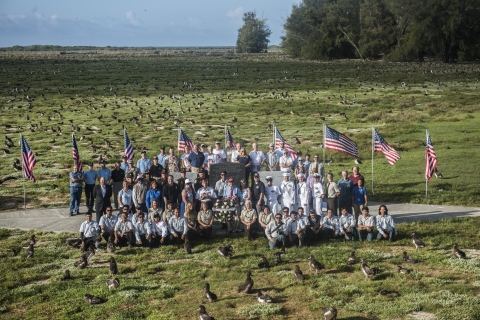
column 303, row 193
column 317, row 194
column 273, row 195
column 287, row 189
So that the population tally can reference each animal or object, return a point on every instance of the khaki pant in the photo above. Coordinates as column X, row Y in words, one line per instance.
column 196, row 169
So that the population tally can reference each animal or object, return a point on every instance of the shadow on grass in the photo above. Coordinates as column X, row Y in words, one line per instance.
column 383, row 276
column 127, row 270
column 8, row 203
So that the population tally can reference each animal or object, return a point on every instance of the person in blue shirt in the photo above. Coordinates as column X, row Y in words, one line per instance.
column 104, row 172
column 90, row 176
column 161, row 156
column 154, row 194
column 196, row 159
column 359, row 198
column 345, row 198
column 76, row 184
column 124, row 164
column 143, row 164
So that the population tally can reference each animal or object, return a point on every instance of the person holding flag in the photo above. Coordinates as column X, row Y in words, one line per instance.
column 76, row 187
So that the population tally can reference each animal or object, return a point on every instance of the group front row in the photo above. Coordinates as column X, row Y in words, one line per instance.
column 291, row 228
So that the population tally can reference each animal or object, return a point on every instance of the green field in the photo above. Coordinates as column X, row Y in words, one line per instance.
column 166, row 283
column 45, row 96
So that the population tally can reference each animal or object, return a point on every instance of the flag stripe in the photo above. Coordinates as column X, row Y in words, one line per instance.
column 183, row 141
column 430, row 159
column 286, row 145
column 336, row 141
column 129, row 153
column 382, row 146
column 28, row 159
column 76, row 155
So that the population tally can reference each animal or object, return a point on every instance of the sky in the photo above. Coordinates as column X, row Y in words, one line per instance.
column 157, row 23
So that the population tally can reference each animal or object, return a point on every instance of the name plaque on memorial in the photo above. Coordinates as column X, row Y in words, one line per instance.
column 234, row 170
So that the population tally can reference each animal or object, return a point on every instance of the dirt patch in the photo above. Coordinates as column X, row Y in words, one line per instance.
column 9, row 205
column 421, row 315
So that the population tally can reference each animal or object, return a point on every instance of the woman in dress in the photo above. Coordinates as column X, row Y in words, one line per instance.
column 188, row 195
column 191, row 217
column 125, row 197
column 245, row 159
column 172, row 163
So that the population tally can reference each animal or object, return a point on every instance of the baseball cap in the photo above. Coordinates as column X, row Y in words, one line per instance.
column 187, row 181
column 256, row 175
column 230, row 180
column 269, row 178
column 286, row 174
column 139, row 176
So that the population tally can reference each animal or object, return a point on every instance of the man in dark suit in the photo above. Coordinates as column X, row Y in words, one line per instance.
column 102, row 194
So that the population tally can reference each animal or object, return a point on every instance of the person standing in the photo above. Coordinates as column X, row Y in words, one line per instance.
column 236, row 152
column 196, row 159
column 332, row 193
column 345, row 185
column 118, row 175
column 244, row 159
column 303, row 193
column 161, row 156
column 307, row 164
column 248, row 218
column 181, row 181
column 317, row 194
column 102, row 194
column 104, row 172
column 317, row 164
column 185, row 164
column 124, row 164
column 273, row 195
column 155, row 170
column 258, row 159
column 229, row 150
column 76, row 186
column 258, row 192
column 355, row 176
column 221, row 184
column 171, row 192
column 139, row 193
column 219, row 153
column 285, row 162
column 154, row 193
column 132, row 171
column 125, row 197
column 144, row 164
column 359, row 198
column 272, row 159
column 90, row 177
column 188, row 195
column 172, row 163
column 287, row 189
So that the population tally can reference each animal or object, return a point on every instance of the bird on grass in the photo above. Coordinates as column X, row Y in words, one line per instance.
column 281, row 252
column 247, row 285
column 367, row 271
column 263, row 298
column 187, row 246
column 113, row 266
column 82, row 262
column 210, row 296
column 113, row 283
column 351, row 259
column 407, row 259
column 31, row 241
column 330, row 313
column 30, row 251
column 91, row 299
column 225, row 251
column 385, row 292
column 74, row 243
column 314, row 264
column 297, row 273
column 458, row 253
column 402, row 270
column 90, row 252
column 66, row 276
column 111, row 244
column 417, row 242
column 278, row 258
column 203, row 315
column 437, row 174
column 263, row 264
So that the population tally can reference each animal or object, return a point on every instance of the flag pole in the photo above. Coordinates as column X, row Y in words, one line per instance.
column 273, row 136
column 23, row 173
column 373, row 148
column 225, row 136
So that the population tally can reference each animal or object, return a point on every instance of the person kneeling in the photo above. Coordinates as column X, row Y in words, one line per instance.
column 275, row 232
column 124, row 232
column 346, row 224
column 385, row 225
column 329, row 225
column 159, row 231
column 177, row 226
column 366, row 222
column 143, row 232
column 314, row 230
column 205, row 221
column 296, row 230
column 248, row 219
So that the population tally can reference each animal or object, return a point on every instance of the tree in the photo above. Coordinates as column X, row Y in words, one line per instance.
column 253, row 35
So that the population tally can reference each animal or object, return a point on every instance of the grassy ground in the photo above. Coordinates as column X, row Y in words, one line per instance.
column 47, row 95
column 166, row 283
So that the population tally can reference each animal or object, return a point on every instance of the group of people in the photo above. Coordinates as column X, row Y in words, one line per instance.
column 155, row 209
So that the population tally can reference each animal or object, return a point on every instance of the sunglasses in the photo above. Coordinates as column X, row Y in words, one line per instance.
column 108, row 210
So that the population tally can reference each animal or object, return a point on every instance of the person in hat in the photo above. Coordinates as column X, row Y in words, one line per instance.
column 317, row 194
column 138, row 212
column 161, row 156
column 102, row 193
column 219, row 153
column 196, row 159
column 144, row 164
column 275, row 232
column 188, row 195
column 104, row 172
column 273, row 195
column 302, row 192
column 90, row 177
column 132, row 170
column 248, row 217
column 124, row 164
column 221, row 184
column 232, row 192
column 185, row 163
column 139, row 193
column 197, row 184
column 287, row 189
column 76, row 185
column 181, row 181
column 258, row 192
column 272, row 159
column 172, row 162
column 171, row 191
column 155, row 169
column 118, row 176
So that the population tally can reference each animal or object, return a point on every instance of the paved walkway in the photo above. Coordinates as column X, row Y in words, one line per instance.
column 58, row 219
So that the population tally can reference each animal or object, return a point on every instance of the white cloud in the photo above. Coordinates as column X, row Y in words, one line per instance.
column 132, row 19
column 54, row 17
column 235, row 13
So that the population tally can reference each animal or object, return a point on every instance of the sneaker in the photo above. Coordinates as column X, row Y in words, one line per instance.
column 71, row 214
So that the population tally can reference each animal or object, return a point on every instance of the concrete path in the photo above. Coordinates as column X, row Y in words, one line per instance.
column 58, row 219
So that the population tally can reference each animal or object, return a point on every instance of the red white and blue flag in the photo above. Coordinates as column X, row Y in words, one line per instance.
column 380, row 145
column 129, row 153
column 279, row 139
column 28, row 159
column 337, row 141
column 76, row 155
column 430, row 159
column 230, row 138
column 183, row 141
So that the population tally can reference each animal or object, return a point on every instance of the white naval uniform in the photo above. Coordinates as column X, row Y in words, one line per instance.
column 287, row 190
column 272, row 194
column 317, row 192
column 302, row 196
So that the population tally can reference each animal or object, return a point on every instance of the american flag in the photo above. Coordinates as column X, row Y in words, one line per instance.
column 28, row 159
column 76, row 155
column 230, row 138
column 129, row 153
column 184, row 141
column 279, row 139
column 382, row 146
column 336, row 141
column 431, row 159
